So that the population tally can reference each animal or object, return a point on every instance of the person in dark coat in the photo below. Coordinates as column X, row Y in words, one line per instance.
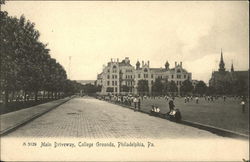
column 171, row 105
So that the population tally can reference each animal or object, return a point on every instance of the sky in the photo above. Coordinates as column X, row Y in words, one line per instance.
column 94, row 32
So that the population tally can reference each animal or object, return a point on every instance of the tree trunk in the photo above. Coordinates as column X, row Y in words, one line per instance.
column 43, row 95
column 36, row 92
column 48, row 94
column 25, row 96
column 12, row 96
column 6, row 100
column 56, row 95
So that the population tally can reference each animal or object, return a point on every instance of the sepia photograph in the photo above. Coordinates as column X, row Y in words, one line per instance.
column 124, row 80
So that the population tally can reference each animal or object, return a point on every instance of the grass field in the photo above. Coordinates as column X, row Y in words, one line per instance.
column 227, row 115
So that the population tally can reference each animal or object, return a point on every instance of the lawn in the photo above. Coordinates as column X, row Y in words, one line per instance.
column 227, row 115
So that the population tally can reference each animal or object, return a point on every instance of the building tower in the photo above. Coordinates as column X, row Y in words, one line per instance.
column 167, row 65
column 222, row 64
column 232, row 67
column 137, row 65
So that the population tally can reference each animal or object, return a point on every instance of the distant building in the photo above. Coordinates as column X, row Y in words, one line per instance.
column 121, row 77
column 223, row 76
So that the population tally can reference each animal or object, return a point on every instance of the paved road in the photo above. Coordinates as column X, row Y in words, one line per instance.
column 92, row 118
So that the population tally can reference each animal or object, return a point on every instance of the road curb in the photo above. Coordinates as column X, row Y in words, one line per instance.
column 215, row 130
column 212, row 129
column 27, row 120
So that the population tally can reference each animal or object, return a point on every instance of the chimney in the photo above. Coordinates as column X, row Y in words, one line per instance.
column 148, row 63
column 181, row 64
column 175, row 63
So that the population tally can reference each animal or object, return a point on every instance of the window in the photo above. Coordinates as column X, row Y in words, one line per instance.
column 178, row 76
column 145, row 75
column 152, row 76
column 172, row 76
column 115, row 82
column 115, row 89
column 139, row 76
column 185, row 76
column 112, row 83
column 108, row 83
column 145, row 70
column 178, row 70
column 108, row 70
column 108, row 76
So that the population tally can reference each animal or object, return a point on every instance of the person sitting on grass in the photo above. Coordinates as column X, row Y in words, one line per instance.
column 155, row 109
column 243, row 104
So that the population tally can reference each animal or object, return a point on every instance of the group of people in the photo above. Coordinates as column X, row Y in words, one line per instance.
column 135, row 100
column 129, row 100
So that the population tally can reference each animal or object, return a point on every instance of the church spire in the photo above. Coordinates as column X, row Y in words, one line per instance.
column 222, row 64
column 232, row 67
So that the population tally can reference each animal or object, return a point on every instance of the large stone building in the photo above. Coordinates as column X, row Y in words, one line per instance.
column 220, row 78
column 121, row 77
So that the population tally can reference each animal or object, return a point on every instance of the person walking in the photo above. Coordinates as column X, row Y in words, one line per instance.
column 196, row 100
column 139, row 103
column 135, row 102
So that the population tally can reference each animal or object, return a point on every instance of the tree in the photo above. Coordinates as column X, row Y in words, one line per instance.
column 125, row 88
column 240, row 87
column 1, row 3
column 110, row 89
column 186, row 86
column 224, row 87
column 172, row 87
column 158, row 86
column 26, row 65
column 143, row 86
column 210, row 90
column 90, row 89
column 200, row 88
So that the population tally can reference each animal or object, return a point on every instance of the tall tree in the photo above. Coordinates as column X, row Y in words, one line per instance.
column 186, row 86
column 143, row 86
column 200, row 88
column 172, row 87
column 158, row 87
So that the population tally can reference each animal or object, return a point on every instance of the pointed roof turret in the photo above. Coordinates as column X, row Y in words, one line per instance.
column 222, row 64
column 167, row 65
column 138, row 64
